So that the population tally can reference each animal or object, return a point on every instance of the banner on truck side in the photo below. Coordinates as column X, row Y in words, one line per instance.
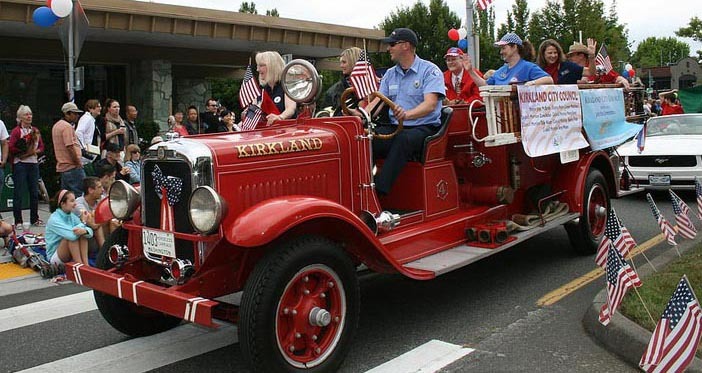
column 603, row 118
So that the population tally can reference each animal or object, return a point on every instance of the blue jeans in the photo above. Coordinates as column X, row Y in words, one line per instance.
column 26, row 177
column 72, row 180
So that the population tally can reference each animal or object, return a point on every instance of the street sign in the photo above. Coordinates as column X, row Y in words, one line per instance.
column 80, row 30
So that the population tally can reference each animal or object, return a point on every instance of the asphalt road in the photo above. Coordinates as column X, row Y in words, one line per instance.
column 490, row 306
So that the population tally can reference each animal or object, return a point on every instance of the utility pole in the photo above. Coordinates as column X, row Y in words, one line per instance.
column 71, row 55
column 471, row 38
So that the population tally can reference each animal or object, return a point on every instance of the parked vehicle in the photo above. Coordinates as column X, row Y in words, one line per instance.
column 287, row 213
column 672, row 154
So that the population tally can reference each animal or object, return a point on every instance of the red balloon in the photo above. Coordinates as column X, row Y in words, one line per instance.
column 632, row 73
column 453, row 34
column 48, row 3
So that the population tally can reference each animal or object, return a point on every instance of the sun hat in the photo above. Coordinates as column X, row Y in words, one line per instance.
column 578, row 48
column 509, row 38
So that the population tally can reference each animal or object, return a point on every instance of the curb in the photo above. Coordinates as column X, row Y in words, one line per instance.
column 622, row 336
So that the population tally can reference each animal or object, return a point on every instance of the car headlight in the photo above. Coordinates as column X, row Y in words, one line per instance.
column 206, row 209
column 124, row 199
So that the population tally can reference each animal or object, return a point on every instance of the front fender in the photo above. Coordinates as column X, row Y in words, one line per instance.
column 102, row 211
column 572, row 176
column 267, row 220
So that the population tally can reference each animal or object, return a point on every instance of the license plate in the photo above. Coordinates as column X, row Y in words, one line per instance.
column 659, row 179
column 158, row 243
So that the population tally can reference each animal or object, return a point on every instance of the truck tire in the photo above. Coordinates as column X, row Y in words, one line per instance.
column 585, row 235
column 300, row 308
column 127, row 317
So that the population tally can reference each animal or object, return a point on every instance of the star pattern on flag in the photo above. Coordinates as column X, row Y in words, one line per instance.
column 620, row 277
column 363, row 77
column 613, row 235
column 250, row 90
column 173, row 186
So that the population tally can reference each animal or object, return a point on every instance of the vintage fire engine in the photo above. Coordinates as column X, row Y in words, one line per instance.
column 286, row 215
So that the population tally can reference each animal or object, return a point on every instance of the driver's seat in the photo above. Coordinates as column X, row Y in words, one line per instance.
column 435, row 145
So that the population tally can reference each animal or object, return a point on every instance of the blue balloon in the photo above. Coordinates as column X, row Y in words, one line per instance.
column 44, row 17
column 463, row 43
column 625, row 74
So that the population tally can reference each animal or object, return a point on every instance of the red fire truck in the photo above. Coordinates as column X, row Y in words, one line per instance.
column 287, row 214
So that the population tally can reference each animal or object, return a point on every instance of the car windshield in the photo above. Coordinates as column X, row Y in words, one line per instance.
column 674, row 125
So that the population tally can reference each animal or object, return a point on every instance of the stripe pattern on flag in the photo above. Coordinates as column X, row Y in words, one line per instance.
column 252, row 118
column 666, row 228
column 603, row 59
column 698, row 193
column 613, row 235
column 674, row 341
column 620, row 277
column 483, row 4
column 363, row 77
column 250, row 90
column 682, row 219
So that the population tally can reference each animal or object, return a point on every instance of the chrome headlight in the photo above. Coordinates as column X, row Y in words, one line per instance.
column 124, row 200
column 206, row 209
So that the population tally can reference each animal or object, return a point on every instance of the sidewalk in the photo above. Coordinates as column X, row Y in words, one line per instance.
column 622, row 336
column 9, row 269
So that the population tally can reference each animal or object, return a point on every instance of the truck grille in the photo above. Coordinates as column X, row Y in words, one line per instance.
column 151, row 208
column 663, row 161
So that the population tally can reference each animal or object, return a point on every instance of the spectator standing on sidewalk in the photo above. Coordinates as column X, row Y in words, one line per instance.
column 192, row 121
column 25, row 146
column 87, row 131
column 4, row 151
column 132, row 136
column 114, row 127
column 67, row 150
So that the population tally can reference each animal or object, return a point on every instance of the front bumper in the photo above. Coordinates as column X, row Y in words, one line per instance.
column 193, row 309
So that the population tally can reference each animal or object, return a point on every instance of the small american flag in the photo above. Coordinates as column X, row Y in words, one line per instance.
column 698, row 192
column 620, row 277
column 613, row 235
column 627, row 235
column 677, row 334
column 363, row 77
column 602, row 58
column 250, row 91
column 641, row 139
column 253, row 116
column 666, row 228
column 483, row 4
column 682, row 219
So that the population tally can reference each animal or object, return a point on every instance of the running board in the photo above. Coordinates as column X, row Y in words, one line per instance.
column 460, row 256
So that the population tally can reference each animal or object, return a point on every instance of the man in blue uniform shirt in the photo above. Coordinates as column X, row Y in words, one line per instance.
column 417, row 87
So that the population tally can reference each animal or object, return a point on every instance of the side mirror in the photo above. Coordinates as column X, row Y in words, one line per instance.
column 301, row 82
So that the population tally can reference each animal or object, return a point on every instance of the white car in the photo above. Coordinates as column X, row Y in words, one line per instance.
column 672, row 154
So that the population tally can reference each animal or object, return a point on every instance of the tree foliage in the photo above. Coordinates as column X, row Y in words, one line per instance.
column 484, row 27
column 248, row 7
column 273, row 12
column 694, row 31
column 431, row 25
column 659, row 51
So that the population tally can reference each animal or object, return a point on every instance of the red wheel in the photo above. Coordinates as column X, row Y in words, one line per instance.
column 300, row 308
column 585, row 235
column 311, row 316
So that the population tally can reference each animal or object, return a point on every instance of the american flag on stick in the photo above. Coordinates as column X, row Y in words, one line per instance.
column 666, row 228
column 613, row 235
column 253, row 116
column 483, row 4
column 641, row 139
column 602, row 58
column 698, row 193
column 363, row 77
column 619, row 277
column 250, row 91
column 677, row 334
column 682, row 219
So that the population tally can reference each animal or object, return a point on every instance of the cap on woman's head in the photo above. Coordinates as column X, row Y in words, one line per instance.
column 509, row 38
column 402, row 34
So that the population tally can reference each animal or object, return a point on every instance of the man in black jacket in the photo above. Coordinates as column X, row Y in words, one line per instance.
column 210, row 118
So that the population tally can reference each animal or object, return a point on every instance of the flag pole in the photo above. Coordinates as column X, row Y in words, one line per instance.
column 644, row 305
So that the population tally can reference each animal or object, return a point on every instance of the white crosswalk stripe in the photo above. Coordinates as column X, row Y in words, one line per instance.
column 50, row 309
column 427, row 358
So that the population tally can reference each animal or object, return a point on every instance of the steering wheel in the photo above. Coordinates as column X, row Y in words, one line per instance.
column 371, row 127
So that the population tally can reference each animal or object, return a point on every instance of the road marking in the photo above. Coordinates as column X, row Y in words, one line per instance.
column 50, row 309
column 429, row 357
column 146, row 353
column 565, row 290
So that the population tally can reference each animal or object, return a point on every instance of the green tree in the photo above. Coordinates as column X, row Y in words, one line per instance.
column 484, row 24
column 273, row 12
column 248, row 7
column 429, row 23
column 694, row 31
column 659, row 51
column 517, row 20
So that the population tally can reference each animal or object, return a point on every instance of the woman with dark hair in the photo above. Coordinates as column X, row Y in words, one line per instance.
column 516, row 70
column 66, row 233
column 112, row 127
column 552, row 59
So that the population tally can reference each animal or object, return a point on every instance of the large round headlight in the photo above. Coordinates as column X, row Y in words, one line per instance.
column 206, row 209
column 301, row 82
column 124, row 199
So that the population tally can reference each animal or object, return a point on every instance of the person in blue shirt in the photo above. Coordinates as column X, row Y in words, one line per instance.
column 516, row 69
column 67, row 234
column 552, row 59
column 417, row 87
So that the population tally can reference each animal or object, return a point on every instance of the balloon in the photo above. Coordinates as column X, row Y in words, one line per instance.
column 628, row 67
column 463, row 43
column 462, row 33
column 452, row 34
column 48, row 3
column 631, row 73
column 44, row 17
column 61, row 8
column 625, row 73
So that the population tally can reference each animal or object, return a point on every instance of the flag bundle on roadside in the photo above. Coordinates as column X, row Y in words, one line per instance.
column 363, row 77
column 698, row 193
column 602, row 58
column 666, row 228
column 682, row 219
column 250, row 91
column 613, row 235
column 620, row 277
column 483, row 4
column 677, row 334
column 253, row 116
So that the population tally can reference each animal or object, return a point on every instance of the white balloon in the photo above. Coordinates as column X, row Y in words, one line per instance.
column 61, row 8
column 627, row 67
column 462, row 33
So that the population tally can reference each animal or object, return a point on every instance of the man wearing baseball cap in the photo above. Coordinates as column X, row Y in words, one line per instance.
column 516, row 70
column 460, row 88
column 67, row 150
column 416, row 87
